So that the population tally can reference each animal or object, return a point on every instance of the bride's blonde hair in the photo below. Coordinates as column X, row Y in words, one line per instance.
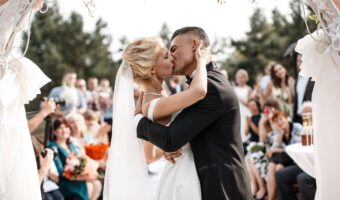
column 141, row 55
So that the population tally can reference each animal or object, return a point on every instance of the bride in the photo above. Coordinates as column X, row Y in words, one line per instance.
column 148, row 62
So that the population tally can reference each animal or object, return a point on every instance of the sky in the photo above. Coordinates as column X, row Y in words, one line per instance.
column 139, row 18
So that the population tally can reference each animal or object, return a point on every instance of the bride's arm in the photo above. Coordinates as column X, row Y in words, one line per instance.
column 152, row 153
column 197, row 90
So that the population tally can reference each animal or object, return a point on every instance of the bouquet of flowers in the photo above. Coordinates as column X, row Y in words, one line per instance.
column 254, row 147
column 75, row 166
column 97, row 151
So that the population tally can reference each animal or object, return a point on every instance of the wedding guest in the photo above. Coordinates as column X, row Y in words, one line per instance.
column 47, row 107
column 289, row 133
column 303, row 90
column 74, row 188
column 92, row 93
column 285, row 178
column 51, row 189
column 74, row 99
column 252, row 127
column 77, row 126
column 105, row 106
column 257, row 161
column 95, row 132
column 104, row 86
column 307, row 186
column 243, row 91
column 281, row 88
column 81, row 85
column 257, row 93
column 266, row 77
column 175, row 85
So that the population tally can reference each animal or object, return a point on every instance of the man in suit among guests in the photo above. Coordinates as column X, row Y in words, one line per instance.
column 303, row 92
column 175, row 85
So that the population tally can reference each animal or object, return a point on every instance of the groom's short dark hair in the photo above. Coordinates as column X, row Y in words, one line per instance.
column 194, row 30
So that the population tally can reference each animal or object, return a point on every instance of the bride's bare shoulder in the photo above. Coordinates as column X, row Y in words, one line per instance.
column 145, row 108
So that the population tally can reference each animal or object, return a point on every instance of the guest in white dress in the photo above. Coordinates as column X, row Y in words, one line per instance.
column 243, row 92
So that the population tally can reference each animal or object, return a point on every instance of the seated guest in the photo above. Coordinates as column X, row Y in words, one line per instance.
column 285, row 178
column 252, row 122
column 48, row 174
column 77, row 126
column 71, row 188
column 256, row 160
column 95, row 132
column 307, row 186
column 289, row 133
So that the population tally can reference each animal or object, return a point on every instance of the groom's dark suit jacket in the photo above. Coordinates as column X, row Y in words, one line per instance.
column 212, row 126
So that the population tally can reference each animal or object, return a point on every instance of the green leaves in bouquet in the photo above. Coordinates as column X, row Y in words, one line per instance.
column 256, row 147
column 78, row 170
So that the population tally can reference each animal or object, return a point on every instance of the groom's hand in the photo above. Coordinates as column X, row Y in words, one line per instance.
column 139, row 101
column 170, row 156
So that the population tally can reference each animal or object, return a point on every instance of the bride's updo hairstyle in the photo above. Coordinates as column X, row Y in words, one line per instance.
column 141, row 55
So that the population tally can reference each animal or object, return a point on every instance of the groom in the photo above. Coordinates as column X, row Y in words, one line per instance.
column 212, row 126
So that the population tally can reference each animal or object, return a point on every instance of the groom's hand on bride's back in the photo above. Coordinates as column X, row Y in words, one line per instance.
column 139, row 101
column 170, row 156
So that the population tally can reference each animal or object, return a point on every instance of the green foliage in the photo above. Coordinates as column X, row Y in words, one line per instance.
column 267, row 41
column 58, row 45
column 165, row 34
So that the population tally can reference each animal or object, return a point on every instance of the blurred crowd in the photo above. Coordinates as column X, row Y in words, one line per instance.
column 271, row 119
column 77, row 116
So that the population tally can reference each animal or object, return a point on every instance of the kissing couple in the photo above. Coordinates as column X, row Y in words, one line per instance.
column 201, row 122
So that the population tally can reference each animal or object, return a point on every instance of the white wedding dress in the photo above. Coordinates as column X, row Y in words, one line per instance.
column 321, row 61
column 178, row 181
column 20, row 82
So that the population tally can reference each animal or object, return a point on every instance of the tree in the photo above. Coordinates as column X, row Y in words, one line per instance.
column 57, row 45
column 267, row 41
column 165, row 34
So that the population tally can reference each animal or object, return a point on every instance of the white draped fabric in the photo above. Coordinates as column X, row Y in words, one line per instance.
column 20, row 82
column 126, row 175
column 321, row 61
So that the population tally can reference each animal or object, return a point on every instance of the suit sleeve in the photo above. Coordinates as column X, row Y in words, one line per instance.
column 189, row 123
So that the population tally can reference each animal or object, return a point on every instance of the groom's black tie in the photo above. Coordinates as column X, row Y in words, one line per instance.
column 189, row 79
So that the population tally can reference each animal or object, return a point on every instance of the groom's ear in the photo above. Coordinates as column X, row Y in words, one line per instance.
column 195, row 44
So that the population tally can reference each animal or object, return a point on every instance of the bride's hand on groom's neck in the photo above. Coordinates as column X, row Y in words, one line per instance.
column 202, row 54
